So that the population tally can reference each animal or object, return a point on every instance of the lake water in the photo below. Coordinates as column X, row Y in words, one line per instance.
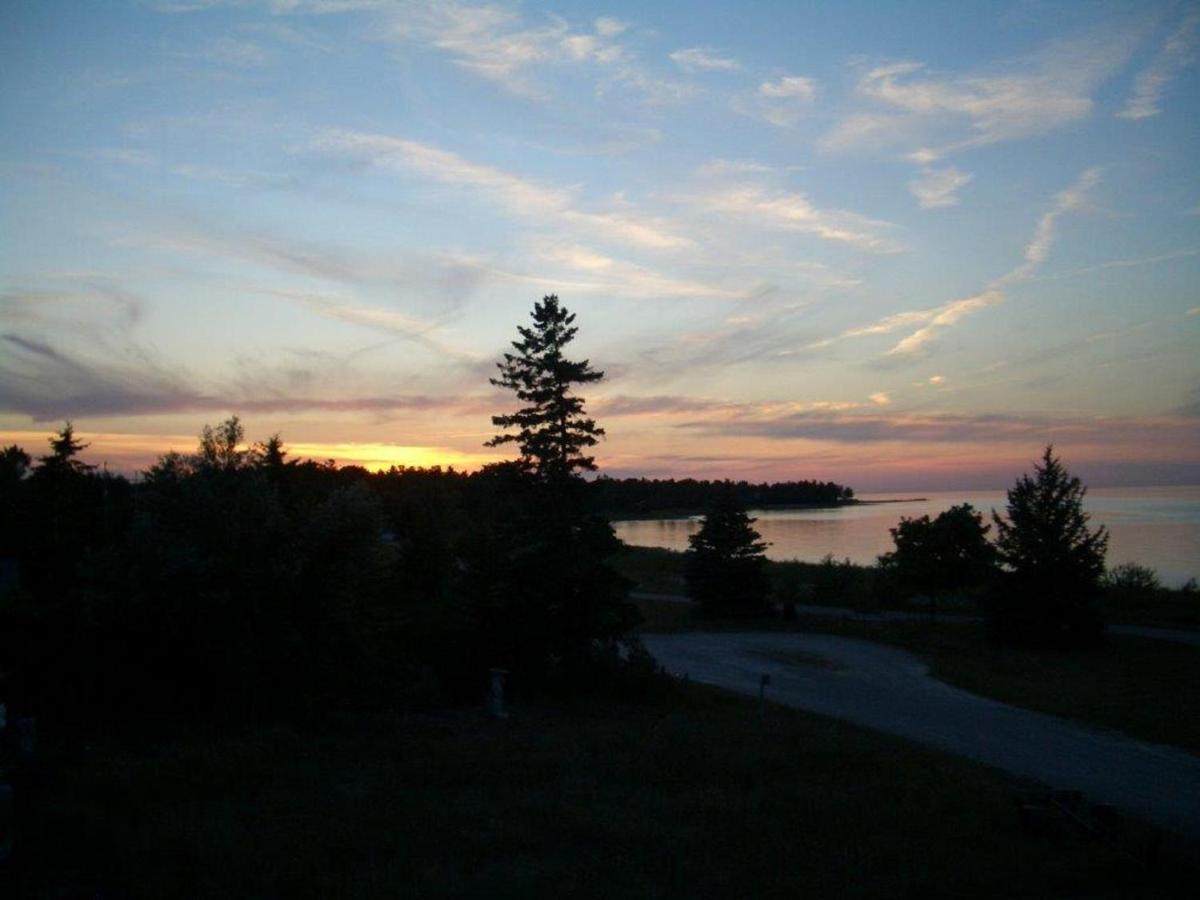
column 1157, row 527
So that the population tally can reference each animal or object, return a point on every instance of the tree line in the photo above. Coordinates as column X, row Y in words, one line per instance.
column 1039, row 581
column 618, row 497
column 232, row 580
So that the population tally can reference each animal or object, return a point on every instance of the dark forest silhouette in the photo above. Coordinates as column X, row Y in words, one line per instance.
column 650, row 496
column 231, row 581
column 239, row 601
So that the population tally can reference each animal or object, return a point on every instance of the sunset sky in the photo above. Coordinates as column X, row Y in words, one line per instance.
column 897, row 246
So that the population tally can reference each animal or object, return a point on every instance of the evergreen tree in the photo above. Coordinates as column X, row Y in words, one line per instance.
column 14, row 466
column 269, row 454
column 64, row 447
column 545, row 601
column 552, row 430
column 1054, row 559
column 725, row 565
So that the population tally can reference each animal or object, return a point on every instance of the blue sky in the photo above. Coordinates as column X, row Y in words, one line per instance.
column 892, row 245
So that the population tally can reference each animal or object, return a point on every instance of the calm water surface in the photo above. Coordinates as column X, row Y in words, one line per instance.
column 1157, row 527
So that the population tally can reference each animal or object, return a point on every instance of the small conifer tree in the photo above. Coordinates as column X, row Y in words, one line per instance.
column 1054, row 559
column 725, row 565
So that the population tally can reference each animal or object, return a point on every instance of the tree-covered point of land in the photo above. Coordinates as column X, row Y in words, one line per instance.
column 1053, row 559
column 617, row 497
column 725, row 564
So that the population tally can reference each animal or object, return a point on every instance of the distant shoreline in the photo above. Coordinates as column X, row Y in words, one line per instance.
column 692, row 512
column 897, row 500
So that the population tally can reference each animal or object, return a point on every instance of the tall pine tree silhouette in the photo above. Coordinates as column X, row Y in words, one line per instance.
column 548, row 604
column 551, row 430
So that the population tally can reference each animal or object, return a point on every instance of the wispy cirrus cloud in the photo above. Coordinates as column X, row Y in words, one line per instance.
column 514, row 51
column 1073, row 198
column 936, row 113
column 1178, row 52
column 47, row 382
column 622, row 405
column 275, row 7
column 497, row 42
column 1131, row 263
column 238, row 53
column 499, row 45
column 127, row 156
column 521, row 196
column 782, row 102
column 797, row 86
column 390, row 321
column 935, row 320
column 719, row 168
column 1036, row 251
column 757, row 207
column 675, row 405
column 992, row 429
column 938, row 188
column 703, row 59
column 621, row 278
column 81, row 303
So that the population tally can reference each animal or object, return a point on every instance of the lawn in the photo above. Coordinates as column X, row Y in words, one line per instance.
column 1141, row 687
column 686, row 794
column 653, row 570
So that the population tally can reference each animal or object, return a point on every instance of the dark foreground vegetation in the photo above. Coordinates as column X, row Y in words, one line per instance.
column 1042, row 580
column 232, row 584
column 684, row 793
column 254, row 676
column 1038, row 582
column 1123, row 599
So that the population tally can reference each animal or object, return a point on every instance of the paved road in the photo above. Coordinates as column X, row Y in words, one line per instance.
column 896, row 615
column 890, row 690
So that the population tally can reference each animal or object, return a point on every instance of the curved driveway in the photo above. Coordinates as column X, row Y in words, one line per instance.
column 890, row 690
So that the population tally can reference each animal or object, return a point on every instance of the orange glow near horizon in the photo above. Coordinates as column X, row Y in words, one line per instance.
column 631, row 449
column 381, row 457
column 133, row 452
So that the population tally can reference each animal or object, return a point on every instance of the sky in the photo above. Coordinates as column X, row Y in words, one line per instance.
column 895, row 245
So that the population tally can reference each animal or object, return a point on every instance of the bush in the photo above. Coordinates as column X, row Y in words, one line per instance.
column 1131, row 581
column 946, row 556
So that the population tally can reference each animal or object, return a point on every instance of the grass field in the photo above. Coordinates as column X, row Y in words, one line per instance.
column 688, row 794
column 1141, row 687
